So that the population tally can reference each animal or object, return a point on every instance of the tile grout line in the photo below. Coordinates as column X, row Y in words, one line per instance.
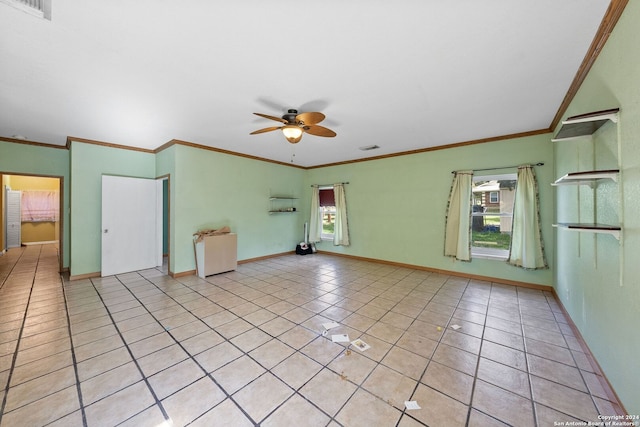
column 133, row 358
column 436, row 348
column 228, row 340
column 34, row 283
column 379, row 363
column 430, row 359
column 4, row 281
column 344, row 351
column 573, row 357
column 207, row 374
column 145, row 308
column 530, row 374
column 475, row 376
column 73, row 355
column 475, row 373
column 526, row 361
column 15, row 353
column 324, row 366
column 267, row 370
column 529, row 309
column 521, row 326
column 238, row 282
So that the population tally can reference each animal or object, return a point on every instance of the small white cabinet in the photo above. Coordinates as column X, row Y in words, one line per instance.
column 216, row 254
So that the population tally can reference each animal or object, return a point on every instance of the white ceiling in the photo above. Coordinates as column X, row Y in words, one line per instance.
column 405, row 75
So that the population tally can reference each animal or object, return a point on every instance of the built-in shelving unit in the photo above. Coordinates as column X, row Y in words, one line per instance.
column 282, row 204
column 581, row 126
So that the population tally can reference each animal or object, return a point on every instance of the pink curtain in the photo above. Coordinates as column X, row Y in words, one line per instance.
column 40, row 206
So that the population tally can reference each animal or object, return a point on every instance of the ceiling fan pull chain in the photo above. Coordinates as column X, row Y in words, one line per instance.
column 293, row 153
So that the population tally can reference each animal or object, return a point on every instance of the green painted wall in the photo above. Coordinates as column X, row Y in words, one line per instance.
column 88, row 162
column 597, row 276
column 39, row 160
column 211, row 190
column 397, row 205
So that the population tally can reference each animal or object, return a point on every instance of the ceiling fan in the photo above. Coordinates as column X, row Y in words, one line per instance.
column 296, row 123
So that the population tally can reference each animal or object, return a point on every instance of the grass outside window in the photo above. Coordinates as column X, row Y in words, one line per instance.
column 491, row 237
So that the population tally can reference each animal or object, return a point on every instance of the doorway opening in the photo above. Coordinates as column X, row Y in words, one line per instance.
column 165, row 222
column 31, row 211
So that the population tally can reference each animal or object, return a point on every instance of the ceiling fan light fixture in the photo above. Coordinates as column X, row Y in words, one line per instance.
column 296, row 124
column 293, row 133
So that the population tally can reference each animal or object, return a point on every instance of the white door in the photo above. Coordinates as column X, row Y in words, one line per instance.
column 129, row 215
column 13, row 232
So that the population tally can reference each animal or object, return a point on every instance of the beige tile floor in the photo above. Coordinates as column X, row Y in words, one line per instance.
column 246, row 348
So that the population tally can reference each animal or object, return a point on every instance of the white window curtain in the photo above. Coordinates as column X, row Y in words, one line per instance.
column 527, row 248
column 341, row 229
column 315, row 221
column 40, row 206
column 457, row 234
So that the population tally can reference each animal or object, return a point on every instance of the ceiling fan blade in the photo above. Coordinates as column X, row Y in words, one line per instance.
column 277, row 119
column 265, row 130
column 319, row 131
column 310, row 118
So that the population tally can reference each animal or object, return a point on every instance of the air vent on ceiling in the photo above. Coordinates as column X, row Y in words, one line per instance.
column 39, row 8
column 369, row 147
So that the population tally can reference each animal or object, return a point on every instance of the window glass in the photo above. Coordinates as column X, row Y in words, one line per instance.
column 492, row 214
column 327, row 204
column 328, row 221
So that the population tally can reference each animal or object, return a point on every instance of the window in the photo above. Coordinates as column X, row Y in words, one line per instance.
column 40, row 206
column 38, row 8
column 492, row 215
column 328, row 206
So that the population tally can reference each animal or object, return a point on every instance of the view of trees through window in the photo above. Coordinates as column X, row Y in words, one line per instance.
column 328, row 206
column 492, row 215
column 328, row 221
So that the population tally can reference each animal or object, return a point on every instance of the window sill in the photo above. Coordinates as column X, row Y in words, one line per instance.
column 490, row 253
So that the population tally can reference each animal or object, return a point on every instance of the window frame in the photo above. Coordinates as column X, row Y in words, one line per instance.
column 477, row 251
column 326, row 210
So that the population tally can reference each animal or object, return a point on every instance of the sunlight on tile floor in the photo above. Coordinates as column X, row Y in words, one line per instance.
column 247, row 348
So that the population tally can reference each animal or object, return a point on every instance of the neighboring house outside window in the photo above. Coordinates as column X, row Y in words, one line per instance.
column 492, row 215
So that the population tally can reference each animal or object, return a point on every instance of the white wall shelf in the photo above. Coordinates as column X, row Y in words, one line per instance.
column 589, row 178
column 282, row 204
column 585, row 124
column 613, row 230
